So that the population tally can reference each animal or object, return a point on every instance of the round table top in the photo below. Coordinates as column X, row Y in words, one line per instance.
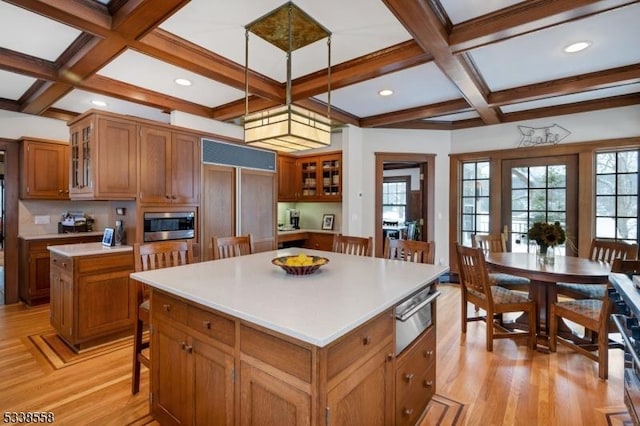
column 564, row 269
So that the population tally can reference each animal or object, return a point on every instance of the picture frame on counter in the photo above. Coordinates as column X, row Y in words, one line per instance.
column 107, row 237
column 327, row 222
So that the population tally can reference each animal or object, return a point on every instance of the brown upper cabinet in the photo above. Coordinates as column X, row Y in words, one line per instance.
column 44, row 172
column 310, row 178
column 169, row 166
column 103, row 157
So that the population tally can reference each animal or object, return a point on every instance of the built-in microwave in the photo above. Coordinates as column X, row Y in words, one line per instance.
column 169, row 226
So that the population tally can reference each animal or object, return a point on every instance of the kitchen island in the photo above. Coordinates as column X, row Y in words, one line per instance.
column 237, row 341
column 91, row 297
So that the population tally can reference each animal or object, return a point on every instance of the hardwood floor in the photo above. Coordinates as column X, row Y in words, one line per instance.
column 511, row 386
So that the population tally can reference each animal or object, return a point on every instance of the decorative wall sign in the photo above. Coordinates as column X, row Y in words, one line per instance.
column 542, row 135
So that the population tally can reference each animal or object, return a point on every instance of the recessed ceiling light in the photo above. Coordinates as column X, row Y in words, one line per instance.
column 385, row 92
column 182, row 82
column 99, row 103
column 577, row 47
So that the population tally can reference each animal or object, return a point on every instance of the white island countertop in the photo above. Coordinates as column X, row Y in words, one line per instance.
column 317, row 308
column 86, row 249
column 61, row 236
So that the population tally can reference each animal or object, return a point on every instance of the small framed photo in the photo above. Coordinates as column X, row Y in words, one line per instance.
column 327, row 221
column 107, row 238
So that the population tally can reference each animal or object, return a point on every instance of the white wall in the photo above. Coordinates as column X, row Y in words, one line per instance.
column 587, row 126
column 359, row 156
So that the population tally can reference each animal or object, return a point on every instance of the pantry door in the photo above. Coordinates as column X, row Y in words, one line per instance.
column 542, row 189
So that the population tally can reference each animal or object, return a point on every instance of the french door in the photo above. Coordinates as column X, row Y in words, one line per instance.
column 541, row 189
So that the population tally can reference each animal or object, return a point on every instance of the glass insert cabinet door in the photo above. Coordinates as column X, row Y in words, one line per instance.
column 542, row 189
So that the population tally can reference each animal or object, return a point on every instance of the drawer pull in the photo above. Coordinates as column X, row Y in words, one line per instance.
column 389, row 357
column 366, row 340
column 206, row 324
column 428, row 354
column 408, row 377
column 408, row 411
column 428, row 383
column 166, row 307
column 188, row 348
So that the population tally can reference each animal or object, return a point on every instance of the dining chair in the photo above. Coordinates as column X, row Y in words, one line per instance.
column 395, row 233
column 594, row 316
column 360, row 246
column 224, row 247
column 601, row 251
column 147, row 257
column 497, row 243
column 411, row 251
column 495, row 300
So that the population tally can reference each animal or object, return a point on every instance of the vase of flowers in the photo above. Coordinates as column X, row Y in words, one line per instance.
column 547, row 236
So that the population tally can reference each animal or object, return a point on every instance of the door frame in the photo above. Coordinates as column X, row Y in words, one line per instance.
column 11, row 172
column 427, row 188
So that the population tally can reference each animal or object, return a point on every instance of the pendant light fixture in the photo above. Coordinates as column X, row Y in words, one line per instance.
column 289, row 127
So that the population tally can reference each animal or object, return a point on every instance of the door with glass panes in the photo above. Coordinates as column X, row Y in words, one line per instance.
column 542, row 189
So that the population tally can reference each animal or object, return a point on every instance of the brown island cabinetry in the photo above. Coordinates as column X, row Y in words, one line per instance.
column 229, row 347
column 91, row 296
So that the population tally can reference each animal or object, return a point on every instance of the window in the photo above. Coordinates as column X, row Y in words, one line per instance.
column 394, row 198
column 617, row 195
column 475, row 200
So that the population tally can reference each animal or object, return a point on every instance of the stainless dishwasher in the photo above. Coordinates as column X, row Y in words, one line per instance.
column 413, row 316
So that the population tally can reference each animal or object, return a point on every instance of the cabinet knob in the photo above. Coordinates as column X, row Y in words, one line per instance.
column 206, row 324
column 428, row 383
column 166, row 307
column 168, row 197
column 366, row 340
column 408, row 377
column 189, row 349
column 389, row 357
column 428, row 354
column 407, row 411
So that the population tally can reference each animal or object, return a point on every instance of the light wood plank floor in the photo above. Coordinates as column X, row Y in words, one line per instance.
column 511, row 386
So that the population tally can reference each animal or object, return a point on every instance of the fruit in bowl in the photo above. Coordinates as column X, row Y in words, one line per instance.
column 300, row 264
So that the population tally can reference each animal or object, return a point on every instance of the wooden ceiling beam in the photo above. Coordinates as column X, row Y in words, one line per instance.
column 424, row 24
column 236, row 109
column 385, row 61
column 569, row 85
column 176, row 51
column 128, row 92
column 95, row 53
column 523, row 18
column 411, row 114
column 30, row 66
column 84, row 15
column 573, row 108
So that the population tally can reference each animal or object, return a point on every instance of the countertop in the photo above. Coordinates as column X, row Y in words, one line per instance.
column 317, row 308
column 85, row 249
column 300, row 231
column 66, row 235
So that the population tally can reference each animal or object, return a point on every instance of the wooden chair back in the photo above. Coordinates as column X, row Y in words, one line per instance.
column 473, row 272
column 225, row 247
column 411, row 251
column 490, row 243
column 162, row 255
column 607, row 251
column 360, row 246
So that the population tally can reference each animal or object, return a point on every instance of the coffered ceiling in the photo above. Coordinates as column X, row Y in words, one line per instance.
column 450, row 63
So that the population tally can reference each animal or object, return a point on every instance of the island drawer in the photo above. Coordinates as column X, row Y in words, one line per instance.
column 168, row 307
column 63, row 262
column 356, row 345
column 412, row 366
column 421, row 391
column 213, row 325
column 285, row 356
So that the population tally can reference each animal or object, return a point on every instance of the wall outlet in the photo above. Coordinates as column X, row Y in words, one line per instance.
column 42, row 220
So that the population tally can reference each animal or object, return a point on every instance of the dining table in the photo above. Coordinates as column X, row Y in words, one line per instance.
column 543, row 278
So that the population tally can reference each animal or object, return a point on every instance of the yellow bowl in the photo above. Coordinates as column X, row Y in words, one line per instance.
column 317, row 262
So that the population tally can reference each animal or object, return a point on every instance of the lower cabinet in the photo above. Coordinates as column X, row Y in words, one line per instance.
column 33, row 269
column 319, row 241
column 91, row 298
column 415, row 378
column 201, row 373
